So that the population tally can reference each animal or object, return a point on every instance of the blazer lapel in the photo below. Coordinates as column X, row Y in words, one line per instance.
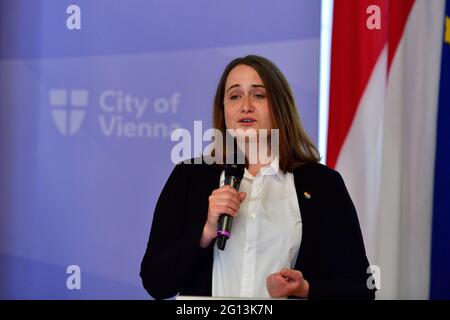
column 304, row 193
column 306, row 197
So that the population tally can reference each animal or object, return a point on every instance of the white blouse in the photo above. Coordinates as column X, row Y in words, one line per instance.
column 265, row 235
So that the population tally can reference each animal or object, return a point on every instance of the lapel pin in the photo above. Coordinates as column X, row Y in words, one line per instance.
column 307, row 195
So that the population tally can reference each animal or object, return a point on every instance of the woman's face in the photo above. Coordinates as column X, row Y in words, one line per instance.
column 245, row 101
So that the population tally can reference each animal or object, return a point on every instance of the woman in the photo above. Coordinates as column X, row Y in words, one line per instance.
column 295, row 229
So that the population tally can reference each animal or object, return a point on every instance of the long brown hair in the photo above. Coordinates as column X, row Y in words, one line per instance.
column 296, row 147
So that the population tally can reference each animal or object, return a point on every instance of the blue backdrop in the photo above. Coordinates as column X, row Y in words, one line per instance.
column 86, row 116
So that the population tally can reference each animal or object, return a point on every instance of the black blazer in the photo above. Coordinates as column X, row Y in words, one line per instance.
column 331, row 257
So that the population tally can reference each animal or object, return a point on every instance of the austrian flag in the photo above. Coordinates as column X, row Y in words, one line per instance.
column 384, row 88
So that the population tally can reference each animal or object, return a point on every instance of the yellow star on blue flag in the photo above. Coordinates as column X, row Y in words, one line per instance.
column 447, row 30
column 440, row 258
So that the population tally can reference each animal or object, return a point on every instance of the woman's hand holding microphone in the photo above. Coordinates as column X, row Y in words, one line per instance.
column 225, row 199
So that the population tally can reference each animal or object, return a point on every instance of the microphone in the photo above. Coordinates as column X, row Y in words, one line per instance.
column 233, row 177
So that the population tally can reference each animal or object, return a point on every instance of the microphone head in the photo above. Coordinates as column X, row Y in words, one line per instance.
column 235, row 170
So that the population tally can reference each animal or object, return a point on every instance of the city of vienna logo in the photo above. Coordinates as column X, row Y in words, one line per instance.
column 69, row 108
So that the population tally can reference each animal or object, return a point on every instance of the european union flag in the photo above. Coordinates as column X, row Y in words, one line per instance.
column 440, row 256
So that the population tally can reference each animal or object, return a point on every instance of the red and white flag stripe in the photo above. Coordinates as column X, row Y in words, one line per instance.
column 383, row 100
